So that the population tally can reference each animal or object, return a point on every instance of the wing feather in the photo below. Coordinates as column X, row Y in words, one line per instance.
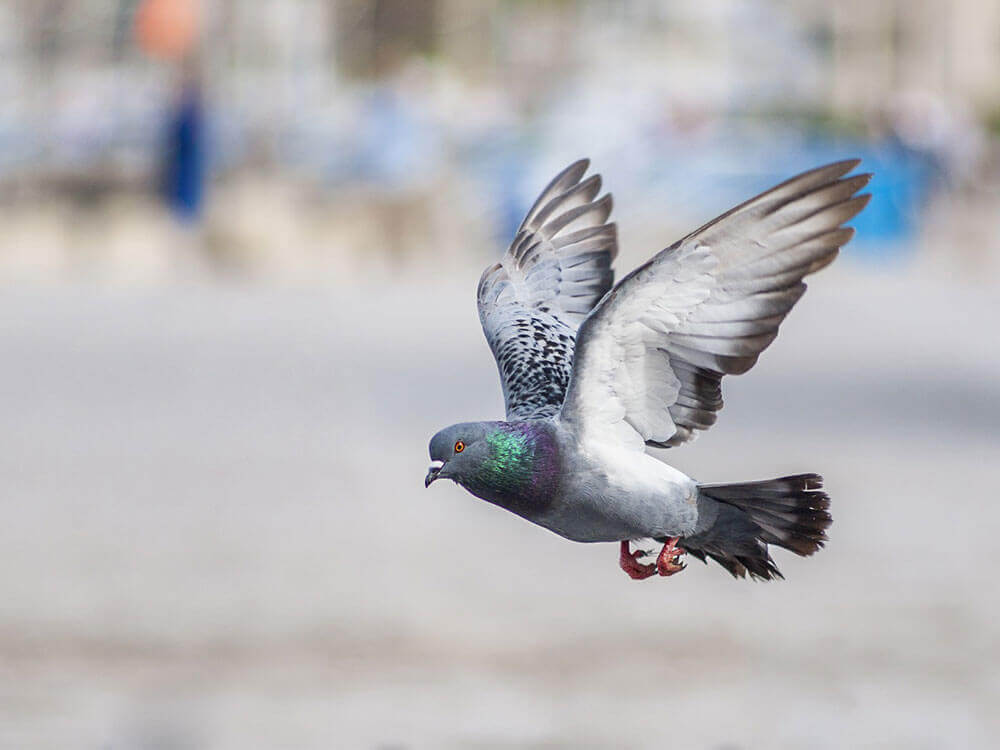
column 531, row 303
column 652, row 354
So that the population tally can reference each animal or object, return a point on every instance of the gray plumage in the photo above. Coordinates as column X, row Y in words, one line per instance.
column 592, row 375
column 533, row 300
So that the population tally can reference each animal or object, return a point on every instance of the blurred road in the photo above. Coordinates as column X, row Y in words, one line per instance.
column 215, row 534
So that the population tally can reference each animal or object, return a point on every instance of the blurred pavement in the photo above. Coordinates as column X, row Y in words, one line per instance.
column 216, row 535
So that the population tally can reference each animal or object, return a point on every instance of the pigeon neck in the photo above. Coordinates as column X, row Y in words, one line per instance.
column 521, row 469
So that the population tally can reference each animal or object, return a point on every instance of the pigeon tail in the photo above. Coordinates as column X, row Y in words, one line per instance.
column 790, row 512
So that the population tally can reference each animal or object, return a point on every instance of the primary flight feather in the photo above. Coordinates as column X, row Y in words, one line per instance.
column 593, row 373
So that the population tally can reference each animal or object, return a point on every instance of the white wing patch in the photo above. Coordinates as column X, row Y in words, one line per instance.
column 650, row 358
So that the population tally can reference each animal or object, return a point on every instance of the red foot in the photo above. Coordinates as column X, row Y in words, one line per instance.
column 669, row 561
column 630, row 564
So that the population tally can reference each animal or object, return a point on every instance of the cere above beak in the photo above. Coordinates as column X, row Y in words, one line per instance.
column 432, row 472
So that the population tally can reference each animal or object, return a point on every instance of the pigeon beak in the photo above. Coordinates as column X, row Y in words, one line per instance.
column 432, row 472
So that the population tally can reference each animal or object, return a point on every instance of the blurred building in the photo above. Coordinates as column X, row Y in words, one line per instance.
column 381, row 107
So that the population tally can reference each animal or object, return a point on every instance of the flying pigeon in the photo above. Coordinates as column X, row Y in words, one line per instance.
column 595, row 372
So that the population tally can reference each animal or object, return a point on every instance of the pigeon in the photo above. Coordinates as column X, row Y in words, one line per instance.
column 595, row 373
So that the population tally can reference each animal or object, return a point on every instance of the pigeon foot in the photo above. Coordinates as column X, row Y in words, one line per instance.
column 669, row 560
column 630, row 564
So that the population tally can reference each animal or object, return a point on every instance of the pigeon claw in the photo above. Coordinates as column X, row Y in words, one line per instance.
column 669, row 560
column 629, row 562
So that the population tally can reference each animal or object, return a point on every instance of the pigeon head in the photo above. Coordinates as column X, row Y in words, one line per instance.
column 457, row 450
column 498, row 461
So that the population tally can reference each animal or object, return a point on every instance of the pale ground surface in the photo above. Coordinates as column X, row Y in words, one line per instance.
column 215, row 535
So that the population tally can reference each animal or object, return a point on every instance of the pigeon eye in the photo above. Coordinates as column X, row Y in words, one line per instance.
column 459, row 446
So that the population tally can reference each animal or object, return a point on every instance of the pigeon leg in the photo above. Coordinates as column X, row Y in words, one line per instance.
column 630, row 564
column 669, row 560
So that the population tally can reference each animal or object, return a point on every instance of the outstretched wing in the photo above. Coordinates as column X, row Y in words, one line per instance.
column 650, row 358
column 554, row 272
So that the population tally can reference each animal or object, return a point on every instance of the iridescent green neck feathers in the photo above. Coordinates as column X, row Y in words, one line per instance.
column 511, row 464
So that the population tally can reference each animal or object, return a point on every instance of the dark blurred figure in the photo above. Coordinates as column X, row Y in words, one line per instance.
column 169, row 30
column 184, row 170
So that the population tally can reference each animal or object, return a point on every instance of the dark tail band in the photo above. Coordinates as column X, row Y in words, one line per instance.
column 790, row 512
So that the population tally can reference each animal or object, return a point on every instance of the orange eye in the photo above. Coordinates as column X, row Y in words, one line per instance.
column 459, row 446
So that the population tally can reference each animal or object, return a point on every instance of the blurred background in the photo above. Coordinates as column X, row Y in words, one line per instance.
column 238, row 252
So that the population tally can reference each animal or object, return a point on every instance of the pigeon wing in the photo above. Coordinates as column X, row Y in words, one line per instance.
column 554, row 272
column 650, row 358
